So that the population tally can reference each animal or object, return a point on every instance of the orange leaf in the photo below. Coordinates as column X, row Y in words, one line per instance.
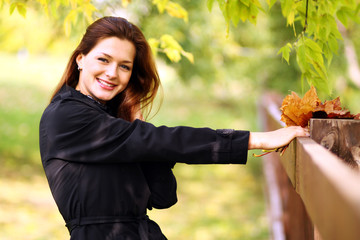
column 297, row 111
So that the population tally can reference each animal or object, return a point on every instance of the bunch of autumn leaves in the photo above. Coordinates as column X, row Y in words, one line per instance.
column 297, row 111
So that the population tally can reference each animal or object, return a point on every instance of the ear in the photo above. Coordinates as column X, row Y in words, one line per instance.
column 79, row 60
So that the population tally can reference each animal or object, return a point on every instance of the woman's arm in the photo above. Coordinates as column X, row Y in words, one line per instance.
column 277, row 138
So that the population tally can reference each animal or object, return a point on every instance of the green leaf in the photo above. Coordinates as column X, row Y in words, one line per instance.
column 160, row 4
column 328, row 54
column 223, row 5
column 173, row 54
column 168, row 41
column 236, row 11
column 271, row 3
column 210, row 4
column 154, row 44
column 312, row 45
column 333, row 44
column 253, row 14
column 321, row 84
column 171, row 47
column 245, row 2
column 244, row 13
column 342, row 16
column 12, row 8
column 21, row 8
column 286, row 7
column 257, row 4
column 285, row 51
column 188, row 55
column 301, row 57
column 70, row 19
column 176, row 10
column 331, row 22
column 320, row 69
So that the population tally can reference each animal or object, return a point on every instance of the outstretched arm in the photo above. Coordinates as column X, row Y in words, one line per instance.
column 277, row 138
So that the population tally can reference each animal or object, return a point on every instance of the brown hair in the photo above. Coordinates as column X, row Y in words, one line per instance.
column 144, row 81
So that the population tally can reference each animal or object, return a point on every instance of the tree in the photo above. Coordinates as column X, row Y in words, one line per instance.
column 318, row 39
column 315, row 26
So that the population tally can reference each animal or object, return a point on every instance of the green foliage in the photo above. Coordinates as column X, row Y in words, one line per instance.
column 236, row 10
column 319, row 38
column 285, row 52
column 172, row 8
column 168, row 45
column 314, row 46
column 73, row 12
column 70, row 12
column 20, row 7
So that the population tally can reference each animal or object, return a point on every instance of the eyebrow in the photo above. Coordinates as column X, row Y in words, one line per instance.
column 109, row 56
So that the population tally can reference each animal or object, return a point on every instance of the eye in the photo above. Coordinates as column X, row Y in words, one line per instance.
column 125, row 67
column 104, row 60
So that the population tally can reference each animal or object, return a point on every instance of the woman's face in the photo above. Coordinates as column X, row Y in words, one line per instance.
column 106, row 69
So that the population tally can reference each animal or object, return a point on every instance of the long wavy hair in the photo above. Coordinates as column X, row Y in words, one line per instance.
column 144, row 83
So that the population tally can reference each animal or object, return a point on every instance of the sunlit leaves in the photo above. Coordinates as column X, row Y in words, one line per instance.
column 125, row 3
column 176, row 10
column 160, row 4
column 236, row 10
column 316, row 43
column 311, row 62
column 285, row 52
column 271, row 3
column 80, row 8
column 76, row 10
column 21, row 8
column 168, row 45
column 172, row 8
column 319, row 39
column 290, row 9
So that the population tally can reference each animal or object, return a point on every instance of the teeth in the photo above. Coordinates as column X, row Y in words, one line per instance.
column 106, row 84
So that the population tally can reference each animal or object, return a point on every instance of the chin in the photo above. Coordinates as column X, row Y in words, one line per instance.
column 104, row 97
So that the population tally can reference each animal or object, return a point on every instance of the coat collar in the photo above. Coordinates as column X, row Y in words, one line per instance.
column 68, row 92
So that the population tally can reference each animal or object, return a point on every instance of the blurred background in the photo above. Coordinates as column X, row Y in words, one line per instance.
column 220, row 89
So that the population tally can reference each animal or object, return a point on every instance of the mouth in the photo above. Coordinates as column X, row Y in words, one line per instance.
column 105, row 84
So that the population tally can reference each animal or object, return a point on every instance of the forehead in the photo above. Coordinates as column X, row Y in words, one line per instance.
column 115, row 47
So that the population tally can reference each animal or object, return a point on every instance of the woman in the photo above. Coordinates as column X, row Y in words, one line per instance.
column 104, row 164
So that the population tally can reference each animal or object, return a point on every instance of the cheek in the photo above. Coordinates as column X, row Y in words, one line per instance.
column 93, row 68
column 125, row 78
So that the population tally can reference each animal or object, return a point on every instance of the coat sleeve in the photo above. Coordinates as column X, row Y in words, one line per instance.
column 73, row 131
column 162, row 184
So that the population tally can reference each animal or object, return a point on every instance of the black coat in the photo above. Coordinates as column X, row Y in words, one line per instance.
column 104, row 171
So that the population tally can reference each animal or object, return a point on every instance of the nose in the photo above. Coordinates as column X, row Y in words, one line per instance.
column 111, row 71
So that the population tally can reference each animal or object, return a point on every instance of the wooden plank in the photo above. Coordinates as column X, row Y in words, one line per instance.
column 340, row 136
column 288, row 161
column 288, row 217
column 274, row 200
column 330, row 191
column 287, row 211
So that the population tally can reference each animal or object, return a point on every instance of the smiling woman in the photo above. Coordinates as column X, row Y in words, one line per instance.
column 105, row 71
column 119, row 48
column 105, row 165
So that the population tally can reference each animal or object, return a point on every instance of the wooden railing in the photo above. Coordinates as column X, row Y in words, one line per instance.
column 311, row 192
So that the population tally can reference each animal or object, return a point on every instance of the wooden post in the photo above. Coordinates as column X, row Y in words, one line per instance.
column 340, row 136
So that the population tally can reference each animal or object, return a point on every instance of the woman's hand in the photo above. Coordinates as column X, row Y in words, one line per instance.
column 276, row 139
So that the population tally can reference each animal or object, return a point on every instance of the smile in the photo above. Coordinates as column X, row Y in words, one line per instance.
column 105, row 85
